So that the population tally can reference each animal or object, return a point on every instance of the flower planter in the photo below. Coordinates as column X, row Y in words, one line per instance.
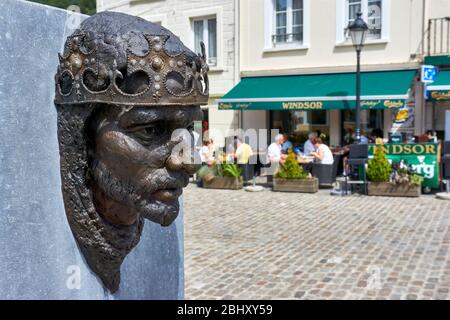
column 309, row 185
column 387, row 189
column 223, row 183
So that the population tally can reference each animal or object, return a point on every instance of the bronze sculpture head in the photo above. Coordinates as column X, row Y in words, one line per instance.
column 124, row 88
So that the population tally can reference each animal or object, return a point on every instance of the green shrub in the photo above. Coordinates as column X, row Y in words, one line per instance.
column 291, row 169
column 231, row 170
column 379, row 168
column 416, row 179
column 219, row 170
column 206, row 173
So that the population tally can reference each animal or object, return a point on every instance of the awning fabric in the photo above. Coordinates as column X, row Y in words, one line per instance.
column 439, row 90
column 379, row 90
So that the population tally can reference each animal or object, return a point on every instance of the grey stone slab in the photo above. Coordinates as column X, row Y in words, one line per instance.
column 37, row 249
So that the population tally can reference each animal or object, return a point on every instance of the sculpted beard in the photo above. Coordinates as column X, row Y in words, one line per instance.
column 138, row 194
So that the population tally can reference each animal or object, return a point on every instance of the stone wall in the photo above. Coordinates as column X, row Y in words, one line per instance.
column 39, row 258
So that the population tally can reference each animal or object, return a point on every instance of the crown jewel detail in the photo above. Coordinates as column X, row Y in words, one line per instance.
column 157, row 77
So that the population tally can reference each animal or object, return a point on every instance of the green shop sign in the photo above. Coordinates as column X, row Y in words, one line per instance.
column 436, row 95
column 336, row 103
column 424, row 159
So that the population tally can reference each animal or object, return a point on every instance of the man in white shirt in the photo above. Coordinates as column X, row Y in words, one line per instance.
column 309, row 145
column 274, row 150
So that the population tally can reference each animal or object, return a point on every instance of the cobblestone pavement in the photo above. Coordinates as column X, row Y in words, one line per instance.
column 269, row 245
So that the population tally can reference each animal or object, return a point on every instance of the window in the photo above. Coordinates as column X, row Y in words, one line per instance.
column 372, row 14
column 288, row 21
column 206, row 30
column 371, row 120
column 298, row 124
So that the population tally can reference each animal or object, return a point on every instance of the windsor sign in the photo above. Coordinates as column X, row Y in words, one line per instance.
column 423, row 158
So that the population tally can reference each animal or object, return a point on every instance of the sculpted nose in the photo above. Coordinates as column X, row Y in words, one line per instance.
column 174, row 163
column 183, row 157
column 177, row 162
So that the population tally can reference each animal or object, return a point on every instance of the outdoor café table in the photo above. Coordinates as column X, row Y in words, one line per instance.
column 306, row 163
column 305, row 160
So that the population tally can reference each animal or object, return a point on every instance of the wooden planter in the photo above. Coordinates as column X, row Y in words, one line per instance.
column 310, row 185
column 386, row 189
column 224, row 183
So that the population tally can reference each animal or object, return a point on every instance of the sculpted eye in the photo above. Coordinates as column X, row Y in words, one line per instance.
column 148, row 133
column 152, row 130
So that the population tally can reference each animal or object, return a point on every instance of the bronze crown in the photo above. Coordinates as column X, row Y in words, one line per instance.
column 86, row 74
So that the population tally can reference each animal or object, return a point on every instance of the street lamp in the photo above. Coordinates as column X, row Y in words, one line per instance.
column 358, row 31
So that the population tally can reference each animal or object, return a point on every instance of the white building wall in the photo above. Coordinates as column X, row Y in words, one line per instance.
column 177, row 15
column 438, row 8
column 325, row 47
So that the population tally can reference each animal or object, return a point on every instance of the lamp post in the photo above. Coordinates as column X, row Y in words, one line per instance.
column 358, row 31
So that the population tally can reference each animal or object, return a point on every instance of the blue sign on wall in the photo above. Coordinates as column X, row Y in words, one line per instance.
column 428, row 74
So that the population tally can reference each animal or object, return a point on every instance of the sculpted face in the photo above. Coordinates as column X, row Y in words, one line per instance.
column 126, row 90
column 136, row 165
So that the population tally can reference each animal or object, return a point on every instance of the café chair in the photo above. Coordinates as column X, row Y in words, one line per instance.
column 445, row 163
column 326, row 173
column 446, row 148
column 357, row 160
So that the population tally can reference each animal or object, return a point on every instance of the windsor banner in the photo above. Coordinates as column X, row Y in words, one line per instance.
column 423, row 158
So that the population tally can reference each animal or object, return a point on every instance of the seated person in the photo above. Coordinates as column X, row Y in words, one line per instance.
column 286, row 144
column 364, row 139
column 323, row 154
column 207, row 152
column 349, row 137
column 309, row 145
column 432, row 136
column 274, row 150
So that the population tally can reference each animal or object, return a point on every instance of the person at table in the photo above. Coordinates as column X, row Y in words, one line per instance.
column 349, row 137
column 286, row 144
column 432, row 137
column 363, row 139
column 323, row 154
column 243, row 152
column 274, row 154
column 309, row 145
column 207, row 152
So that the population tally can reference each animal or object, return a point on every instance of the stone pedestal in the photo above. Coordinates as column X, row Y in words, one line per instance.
column 39, row 256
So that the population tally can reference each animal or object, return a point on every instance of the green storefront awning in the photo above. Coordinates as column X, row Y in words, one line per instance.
column 379, row 90
column 439, row 90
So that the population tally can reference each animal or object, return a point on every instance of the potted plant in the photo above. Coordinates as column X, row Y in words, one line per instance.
column 396, row 180
column 291, row 177
column 221, row 176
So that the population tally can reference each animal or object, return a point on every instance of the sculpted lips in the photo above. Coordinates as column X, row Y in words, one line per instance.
column 167, row 195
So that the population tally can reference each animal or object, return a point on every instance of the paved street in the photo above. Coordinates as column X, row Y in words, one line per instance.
column 268, row 245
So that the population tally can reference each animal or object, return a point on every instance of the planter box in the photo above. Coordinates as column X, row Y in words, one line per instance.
column 296, row 185
column 386, row 189
column 223, row 183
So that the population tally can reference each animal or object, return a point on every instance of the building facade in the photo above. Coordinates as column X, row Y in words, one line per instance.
column 215, row 23
column 304, row 44
column 301, row 50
